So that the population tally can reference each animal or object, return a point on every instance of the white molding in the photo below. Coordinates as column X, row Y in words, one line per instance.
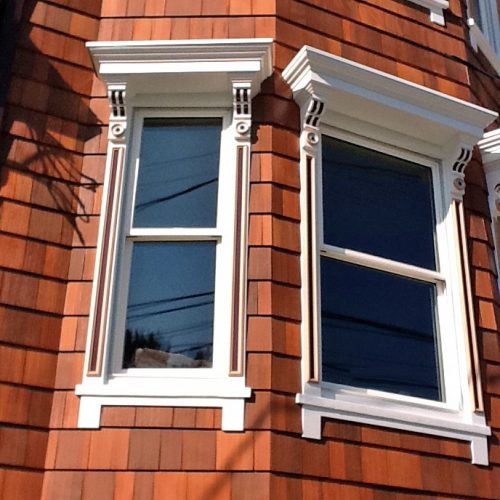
column 414, row 418
column 377, row 110
column 436, row 8
column 89, row 416
column 197, row 66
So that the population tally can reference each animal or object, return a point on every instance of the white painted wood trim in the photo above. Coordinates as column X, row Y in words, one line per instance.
column 453, row 425
column 381, row 264
column 436, row 8
column 377, row 110
column 182, row 78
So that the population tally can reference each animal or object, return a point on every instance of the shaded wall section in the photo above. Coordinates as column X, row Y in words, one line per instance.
column 45, row 208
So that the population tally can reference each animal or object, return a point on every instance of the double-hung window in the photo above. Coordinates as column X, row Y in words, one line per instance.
column 174, row 246
column 167, row 319
column 379, row 281
column 388, row 331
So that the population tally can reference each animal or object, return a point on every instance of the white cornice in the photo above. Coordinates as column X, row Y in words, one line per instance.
column 222, row 61
column 357, row 93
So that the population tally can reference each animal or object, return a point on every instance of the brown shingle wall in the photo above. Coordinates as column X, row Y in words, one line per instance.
column 51, row 188
column 395, row 38
column 44, row 202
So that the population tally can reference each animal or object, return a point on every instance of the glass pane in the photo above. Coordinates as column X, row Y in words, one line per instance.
column 378, row 331
column 178, row 173
column 170, row 305
column 377, row 204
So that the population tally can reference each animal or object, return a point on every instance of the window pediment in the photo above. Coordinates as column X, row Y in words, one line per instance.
column 361, row 97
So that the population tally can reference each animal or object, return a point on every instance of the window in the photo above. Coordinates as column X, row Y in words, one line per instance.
column 485, row 29
column 379, row 279
column 388, row 329
column 166, row 326
column 172, row 239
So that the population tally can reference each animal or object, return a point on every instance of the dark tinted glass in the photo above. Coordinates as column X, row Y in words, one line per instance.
column 178, row 173
column 378, row 331
column 377, row 204
column 170, row 305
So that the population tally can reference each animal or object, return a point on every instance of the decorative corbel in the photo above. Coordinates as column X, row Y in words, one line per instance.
column 242, row 123
column 460, row 160
column 118, row 113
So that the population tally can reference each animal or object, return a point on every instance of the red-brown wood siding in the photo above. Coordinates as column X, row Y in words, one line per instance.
column 54, row 145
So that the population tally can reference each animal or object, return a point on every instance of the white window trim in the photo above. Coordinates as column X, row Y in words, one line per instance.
column 486, row 38
column 375, row 109
column 489, row 147
column 436, row 8
column 174, row 78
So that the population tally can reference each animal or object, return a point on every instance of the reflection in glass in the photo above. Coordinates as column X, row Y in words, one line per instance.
column 170, row 305
column 377, row 204
column 178, row 173
column 378, row 331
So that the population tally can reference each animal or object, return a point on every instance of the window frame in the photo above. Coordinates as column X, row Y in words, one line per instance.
column 215, row 78
column 447, row 347
column 221, row 234
column 369, row 107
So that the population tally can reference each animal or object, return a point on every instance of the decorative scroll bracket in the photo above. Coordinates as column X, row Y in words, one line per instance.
column 457, row 161
column 118, row 113
column 310, row 135
column 242, row 110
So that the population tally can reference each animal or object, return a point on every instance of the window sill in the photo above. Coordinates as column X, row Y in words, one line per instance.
column 436, row 8
column 397, row 412
column 229, row 394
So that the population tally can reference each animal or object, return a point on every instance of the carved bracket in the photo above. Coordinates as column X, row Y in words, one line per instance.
column 310, row 125
column 242, row 110
column 118, row 113
column 460, row 160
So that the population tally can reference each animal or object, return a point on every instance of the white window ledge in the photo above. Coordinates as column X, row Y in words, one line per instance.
column 436, row 8
column 408, row 414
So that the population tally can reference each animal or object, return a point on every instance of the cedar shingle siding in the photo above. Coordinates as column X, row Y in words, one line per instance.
column 53, row 147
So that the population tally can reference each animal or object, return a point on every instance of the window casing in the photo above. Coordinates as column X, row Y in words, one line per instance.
column 183, row 223
column 199, row 229
column 380, row 286
column 349, row 102
column 484, row 25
